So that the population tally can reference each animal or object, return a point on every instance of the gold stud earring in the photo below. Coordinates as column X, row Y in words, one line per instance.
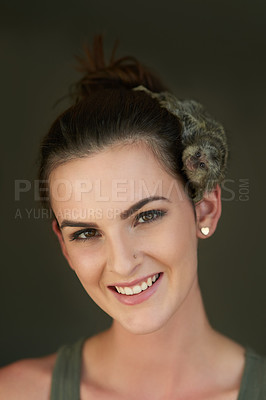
column 205, row 230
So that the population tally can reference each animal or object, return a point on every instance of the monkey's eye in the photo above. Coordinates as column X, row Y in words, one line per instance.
column 198, row 154
column 202, row 165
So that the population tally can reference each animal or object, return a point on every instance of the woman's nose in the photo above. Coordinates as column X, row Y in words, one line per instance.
column 123, row 256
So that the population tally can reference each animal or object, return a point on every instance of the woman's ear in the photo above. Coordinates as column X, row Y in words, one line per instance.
column 58, row 233
column 208, row 211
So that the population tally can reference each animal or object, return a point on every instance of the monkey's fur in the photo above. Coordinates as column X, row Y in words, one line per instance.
column 205, row 148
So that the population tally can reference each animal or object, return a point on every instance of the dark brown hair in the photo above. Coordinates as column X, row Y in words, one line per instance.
column 125, row 72
column 107, row 112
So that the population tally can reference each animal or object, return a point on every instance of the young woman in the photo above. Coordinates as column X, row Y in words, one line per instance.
column 132, row 175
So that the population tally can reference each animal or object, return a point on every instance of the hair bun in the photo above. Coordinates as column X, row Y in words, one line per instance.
column 125, row 72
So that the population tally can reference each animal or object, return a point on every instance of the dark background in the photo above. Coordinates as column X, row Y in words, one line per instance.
column 212, row 51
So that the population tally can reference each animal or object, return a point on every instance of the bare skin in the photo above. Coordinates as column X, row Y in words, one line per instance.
column 219, row 378
column 27, row 379
column 163, row 348
column 214, row 373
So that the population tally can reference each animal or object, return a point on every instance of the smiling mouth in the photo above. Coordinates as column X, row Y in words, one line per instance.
column 136, row 289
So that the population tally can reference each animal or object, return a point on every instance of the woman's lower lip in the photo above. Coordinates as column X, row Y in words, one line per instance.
column 133, row 299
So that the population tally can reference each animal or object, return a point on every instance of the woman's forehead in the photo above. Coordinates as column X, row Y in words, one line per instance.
column 130, row 166
column 110, row 161
column 117, row 177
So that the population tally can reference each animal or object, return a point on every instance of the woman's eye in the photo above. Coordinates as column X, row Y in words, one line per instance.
column 149, row 216
column 85, row 234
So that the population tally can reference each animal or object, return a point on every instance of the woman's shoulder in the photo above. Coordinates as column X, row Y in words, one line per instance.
column 27, row 379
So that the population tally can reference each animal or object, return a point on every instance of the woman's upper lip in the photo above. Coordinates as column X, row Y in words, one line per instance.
column 135, row 282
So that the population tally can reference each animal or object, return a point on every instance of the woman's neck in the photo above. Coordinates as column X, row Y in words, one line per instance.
column 184, row 333
column 173, row 355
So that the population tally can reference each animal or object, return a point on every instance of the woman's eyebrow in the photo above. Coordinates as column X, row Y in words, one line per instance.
column 67, row 222
column 131, row 210
column 124, row 215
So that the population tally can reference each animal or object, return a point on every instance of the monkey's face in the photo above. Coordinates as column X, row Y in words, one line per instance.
column 200, row 164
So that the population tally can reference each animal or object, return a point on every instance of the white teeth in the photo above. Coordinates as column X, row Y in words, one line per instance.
column 128, row 290
column 144, row 286
column 138, row 288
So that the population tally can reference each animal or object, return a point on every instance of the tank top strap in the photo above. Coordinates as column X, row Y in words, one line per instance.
column 66, row 373
column 253, row 385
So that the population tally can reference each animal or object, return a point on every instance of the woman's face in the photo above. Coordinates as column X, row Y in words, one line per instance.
column 124, row 219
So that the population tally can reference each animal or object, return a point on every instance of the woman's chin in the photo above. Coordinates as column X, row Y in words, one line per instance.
column 143, row 326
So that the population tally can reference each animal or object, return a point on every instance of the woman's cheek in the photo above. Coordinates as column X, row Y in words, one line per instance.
column 84, row 263
column 181, row 246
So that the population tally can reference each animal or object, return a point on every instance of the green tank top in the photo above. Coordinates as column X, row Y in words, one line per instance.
column 66, row 374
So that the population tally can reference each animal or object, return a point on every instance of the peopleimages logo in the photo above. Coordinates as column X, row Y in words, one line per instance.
column 119, row 190
column 98, row 194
